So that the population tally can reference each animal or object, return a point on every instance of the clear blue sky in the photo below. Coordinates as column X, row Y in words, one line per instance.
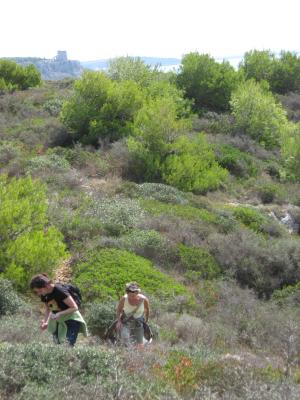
column 95, row 29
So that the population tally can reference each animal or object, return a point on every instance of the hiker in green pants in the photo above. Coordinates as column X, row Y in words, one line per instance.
column 62, row 317
column 132, row 311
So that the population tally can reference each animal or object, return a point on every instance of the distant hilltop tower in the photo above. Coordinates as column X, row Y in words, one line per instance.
column 61, row 56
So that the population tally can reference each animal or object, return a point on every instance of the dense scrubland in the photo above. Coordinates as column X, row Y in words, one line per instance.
column 188, row 183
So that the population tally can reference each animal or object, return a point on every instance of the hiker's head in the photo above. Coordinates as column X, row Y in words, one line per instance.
column 41, row 284
column 132, row 288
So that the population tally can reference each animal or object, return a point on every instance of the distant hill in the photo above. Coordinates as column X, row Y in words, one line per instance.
column 55, row 68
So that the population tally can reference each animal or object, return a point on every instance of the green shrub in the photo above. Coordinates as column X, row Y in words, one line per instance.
column 291, row 292
column 9, row 151
column 28, row 244
column 23, row 327
column 104, row 274
column 149, row 244
column 270, row 192
column 258, row 115
column 51, row 162
column 15, row 76
column 99, row 316
column 235, row 161
column 250, row 217
column 39, row 363
column 161, row 192
column 9, row 300
column 192, row 166
column 257, row 262
column 117, row 215
column 90, row 162
column 53, row 106
column 182, row 211
column 199, row 260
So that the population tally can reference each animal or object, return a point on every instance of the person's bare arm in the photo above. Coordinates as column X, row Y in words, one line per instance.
column 146, row 308
column 70, row 302
column 44, row 323
column 120, row 308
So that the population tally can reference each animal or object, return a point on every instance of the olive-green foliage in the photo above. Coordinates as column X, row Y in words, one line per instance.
column 90, row 161
column 208, row 83
column 291, row 154
column 117, row 215
column 282, row 73
column 270, row 192
column 104, row 273
column 149, row 244
column 14, row 76
column 250, row 217
column 237, row 162
column 193, row 166
column 131, row 69
column 199, row 260
column 50, row 161
column 165, row 89
column 100, row 109
column 9, row 300
column 156, row 126
column 288, row 293
column 39, row 363
column 99, row 316
column 182, row 211
column 258, row 65
column 256, row 261
column 27, row 246
column 258, row 115
column 161, row 192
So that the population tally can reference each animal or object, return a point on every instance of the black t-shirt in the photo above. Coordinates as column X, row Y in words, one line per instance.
column 55, row 299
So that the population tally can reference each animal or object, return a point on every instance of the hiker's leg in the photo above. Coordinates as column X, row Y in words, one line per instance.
column 125, row 335
column 139, row 333
column 72, row 332
column 55, row 335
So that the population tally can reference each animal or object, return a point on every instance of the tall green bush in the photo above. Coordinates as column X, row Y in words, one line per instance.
column 208, row 83
column 258, row 115
column 100, row 109
column 193, row 166
column 28, row 244
column 156, row 126
column 14, row 76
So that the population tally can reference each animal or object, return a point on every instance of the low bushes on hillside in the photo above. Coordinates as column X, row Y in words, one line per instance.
column 104, row 273
column 257, row 262
column 198, row 262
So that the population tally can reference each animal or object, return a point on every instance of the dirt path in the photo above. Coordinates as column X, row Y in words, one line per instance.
column 64, row 271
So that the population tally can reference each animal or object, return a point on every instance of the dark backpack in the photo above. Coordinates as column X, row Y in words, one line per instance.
column 74, row 292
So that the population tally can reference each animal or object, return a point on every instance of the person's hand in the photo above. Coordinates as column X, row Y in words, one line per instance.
column 54, row 316
column 44, row 325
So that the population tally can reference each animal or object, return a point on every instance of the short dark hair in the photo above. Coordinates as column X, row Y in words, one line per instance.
column 40, row 281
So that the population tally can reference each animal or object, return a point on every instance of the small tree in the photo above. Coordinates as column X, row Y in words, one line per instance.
column 131, row 69
column 258, row 65
column 14, row 76
column 208, row 83
column 258, row 115
column 156, row 126
column 101, row 110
